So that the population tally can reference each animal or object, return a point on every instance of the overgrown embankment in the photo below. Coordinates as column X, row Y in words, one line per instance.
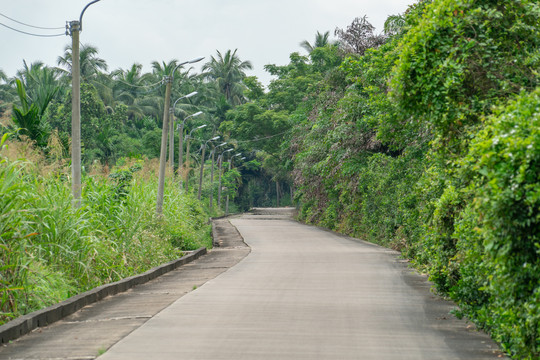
column 50, row 251
column 429, row 143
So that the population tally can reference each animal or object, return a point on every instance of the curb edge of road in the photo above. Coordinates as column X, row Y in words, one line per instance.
column 29, row 322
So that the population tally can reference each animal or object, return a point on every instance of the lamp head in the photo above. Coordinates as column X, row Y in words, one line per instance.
column 195, row 60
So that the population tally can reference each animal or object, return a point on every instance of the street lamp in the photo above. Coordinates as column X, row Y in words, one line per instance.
column 220, row 162
column 227, row 201
column 171, row 128
column 212, row 174
column 202, row 164
column 181, row 141
column 163, row 152
column 75, row 27
column 188, row 169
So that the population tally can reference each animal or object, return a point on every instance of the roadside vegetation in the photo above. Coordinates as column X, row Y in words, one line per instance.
column 51, row 251
column 423, row 138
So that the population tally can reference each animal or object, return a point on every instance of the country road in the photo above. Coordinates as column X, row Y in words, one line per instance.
column 297, row 292
column 305, row 293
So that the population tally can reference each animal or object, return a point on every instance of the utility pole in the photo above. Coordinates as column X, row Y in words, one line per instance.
column 212, row 175
column 201, row 173
column 202, row 165
column 181, row 140
column 75, row 27
column 220, row 161
column 188, row 169
column 163, row 152
column 188, row 165
column 227, row 202
column 171, row 139
column 212, row 180
column 180, row 152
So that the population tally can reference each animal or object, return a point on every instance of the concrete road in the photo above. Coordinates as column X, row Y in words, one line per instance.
column 305, row 293
column 96, row 327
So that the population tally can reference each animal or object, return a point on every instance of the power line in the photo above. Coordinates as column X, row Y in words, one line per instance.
column 36, row 27
column 149, row 90
column 139, row 86
column 264, row 138
column 27, row 33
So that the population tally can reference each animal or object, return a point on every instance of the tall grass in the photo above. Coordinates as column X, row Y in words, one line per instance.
column 50, row 251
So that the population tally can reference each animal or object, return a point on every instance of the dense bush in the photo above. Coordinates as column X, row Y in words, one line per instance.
column 505, row 162
column 406, row 150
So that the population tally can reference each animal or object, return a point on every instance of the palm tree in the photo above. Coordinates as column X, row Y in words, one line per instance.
column 321, row 40
column 28, row 117
column 228, row 72
column 129, row 87
column 3, row 92
column 154, row 102
column 91, row 65
column 41, row 83
column 160, row 70
column 92, row 68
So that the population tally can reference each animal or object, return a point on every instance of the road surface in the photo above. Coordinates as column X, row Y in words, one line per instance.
column 306, row 293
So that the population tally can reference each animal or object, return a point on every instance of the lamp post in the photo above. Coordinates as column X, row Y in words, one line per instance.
column 202, row 165
column 163, row 152
column 181, row 142
column 212, row 175
column 171, row 128
column 187, row 154
column 220, row 162
column 75, row 27
column 227, row 202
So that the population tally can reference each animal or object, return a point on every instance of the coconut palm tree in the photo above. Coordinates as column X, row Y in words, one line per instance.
column 129, row 87
column 160, row 70
column 183, row 84
column 91, row 64
column 321, row 40
column 228, row 71
column 92, row 70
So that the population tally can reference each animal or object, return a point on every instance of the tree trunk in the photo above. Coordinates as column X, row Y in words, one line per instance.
column 277, row 193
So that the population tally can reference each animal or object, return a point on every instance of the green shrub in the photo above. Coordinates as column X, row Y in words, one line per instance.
column 505, row 159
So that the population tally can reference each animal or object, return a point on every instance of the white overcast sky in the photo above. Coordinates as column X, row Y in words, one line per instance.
column 141, row 31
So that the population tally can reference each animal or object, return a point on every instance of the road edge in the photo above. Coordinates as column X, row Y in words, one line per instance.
column 29, row 322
